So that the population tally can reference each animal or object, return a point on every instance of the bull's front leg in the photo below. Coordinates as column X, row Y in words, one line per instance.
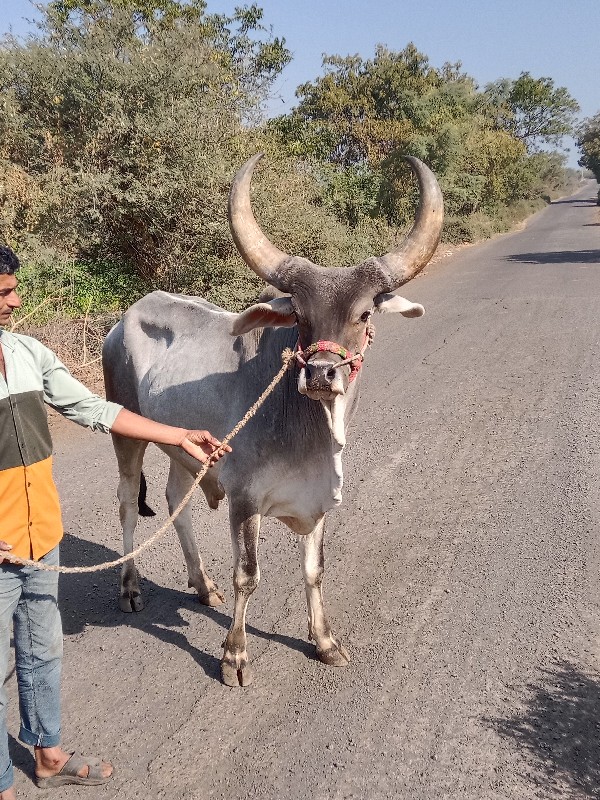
column 329, row 649
column 245, row 527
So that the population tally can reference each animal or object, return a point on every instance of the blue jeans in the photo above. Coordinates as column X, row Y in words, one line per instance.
column 28, row 599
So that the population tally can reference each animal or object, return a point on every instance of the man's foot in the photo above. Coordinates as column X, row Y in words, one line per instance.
column 49, row 761
column 8, row 794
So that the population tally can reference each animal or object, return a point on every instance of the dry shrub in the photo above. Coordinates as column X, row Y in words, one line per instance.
column 78, row 344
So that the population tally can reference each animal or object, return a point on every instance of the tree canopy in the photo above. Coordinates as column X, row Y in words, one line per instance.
column 588, row 140
column 361, row 114
column 120, row 124
column 533, row 110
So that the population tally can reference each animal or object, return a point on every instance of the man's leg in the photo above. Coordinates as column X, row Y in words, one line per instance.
column 39, row 647
column 11, row 581
column 38, row 650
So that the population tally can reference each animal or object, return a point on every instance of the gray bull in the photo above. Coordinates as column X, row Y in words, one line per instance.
column 182, row 360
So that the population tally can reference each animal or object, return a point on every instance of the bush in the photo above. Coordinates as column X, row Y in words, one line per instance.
column 53, row 287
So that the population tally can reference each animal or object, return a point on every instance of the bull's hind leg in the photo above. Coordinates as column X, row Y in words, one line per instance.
column 329, row 649
column 178, row 485
column 245, row 528
column 130, row 455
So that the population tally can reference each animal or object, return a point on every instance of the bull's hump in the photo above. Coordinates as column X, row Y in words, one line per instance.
column 184, row 315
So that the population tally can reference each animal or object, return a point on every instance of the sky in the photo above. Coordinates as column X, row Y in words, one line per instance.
column 493, row 39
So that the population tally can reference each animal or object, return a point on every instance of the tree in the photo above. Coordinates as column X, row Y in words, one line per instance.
column 588, row 141
column 122, row 126
column 362, row 114
column 365, row 109
column 121, row 121
column 255, row 61
column 532, row 109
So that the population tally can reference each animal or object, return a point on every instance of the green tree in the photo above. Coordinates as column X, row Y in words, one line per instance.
column 588, row 141
column 365, row 109
column 121, row 122
column 533, row 110
column 253, row 59
column 361, row 114
column 356, row 121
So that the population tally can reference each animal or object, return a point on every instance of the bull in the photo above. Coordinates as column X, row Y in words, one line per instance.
column 182, row 360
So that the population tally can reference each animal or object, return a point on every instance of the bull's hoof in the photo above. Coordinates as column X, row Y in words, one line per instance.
column 334, row 656
column 131, row 602
column 214, row 598
column 231, row 675
column 209, row 595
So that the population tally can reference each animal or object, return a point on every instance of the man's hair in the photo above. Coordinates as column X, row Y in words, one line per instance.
column 9, row 263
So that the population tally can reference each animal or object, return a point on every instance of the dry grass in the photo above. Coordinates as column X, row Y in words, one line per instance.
column 77, row 343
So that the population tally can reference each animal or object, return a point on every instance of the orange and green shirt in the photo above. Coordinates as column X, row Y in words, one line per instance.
column 30, row 518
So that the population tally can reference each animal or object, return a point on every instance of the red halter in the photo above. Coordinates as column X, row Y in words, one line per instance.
column 323, row 346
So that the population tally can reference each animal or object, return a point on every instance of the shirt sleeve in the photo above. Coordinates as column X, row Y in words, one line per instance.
column 72, row 399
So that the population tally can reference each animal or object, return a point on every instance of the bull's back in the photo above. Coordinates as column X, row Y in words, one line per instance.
column 165, row 346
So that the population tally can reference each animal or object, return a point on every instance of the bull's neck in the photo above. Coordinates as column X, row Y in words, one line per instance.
column 264, row 348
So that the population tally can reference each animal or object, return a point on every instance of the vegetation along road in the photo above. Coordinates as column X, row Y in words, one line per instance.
column 462, row 571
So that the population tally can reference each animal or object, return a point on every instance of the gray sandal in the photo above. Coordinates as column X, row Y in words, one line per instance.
column 68, row 773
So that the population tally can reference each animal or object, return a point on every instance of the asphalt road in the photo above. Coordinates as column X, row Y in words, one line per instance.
column 462, row 571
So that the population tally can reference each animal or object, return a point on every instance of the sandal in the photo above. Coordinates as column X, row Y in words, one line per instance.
column 68, row 773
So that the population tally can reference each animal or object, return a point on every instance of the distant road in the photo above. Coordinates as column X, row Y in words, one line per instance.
column 463, row 571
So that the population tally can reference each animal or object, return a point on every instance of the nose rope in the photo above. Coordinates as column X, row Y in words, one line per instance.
column 325, row 346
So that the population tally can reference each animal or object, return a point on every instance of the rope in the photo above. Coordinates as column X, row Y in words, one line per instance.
column 287, row 357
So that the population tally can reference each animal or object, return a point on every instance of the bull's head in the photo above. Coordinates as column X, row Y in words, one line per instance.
column 333, row 305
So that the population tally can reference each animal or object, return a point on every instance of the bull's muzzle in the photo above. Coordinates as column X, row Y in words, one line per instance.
column 322, row 380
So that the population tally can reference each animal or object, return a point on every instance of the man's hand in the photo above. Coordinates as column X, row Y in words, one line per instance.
column 6, row 547
column 203, row 446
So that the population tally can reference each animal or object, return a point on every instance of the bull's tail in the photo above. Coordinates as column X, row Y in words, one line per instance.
column 144, row 509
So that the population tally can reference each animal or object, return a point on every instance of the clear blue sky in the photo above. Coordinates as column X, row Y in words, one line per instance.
column 493, row 39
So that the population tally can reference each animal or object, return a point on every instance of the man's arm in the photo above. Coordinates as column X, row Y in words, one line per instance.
column 200, row 444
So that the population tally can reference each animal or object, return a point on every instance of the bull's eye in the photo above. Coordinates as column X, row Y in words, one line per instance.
column 366, row 316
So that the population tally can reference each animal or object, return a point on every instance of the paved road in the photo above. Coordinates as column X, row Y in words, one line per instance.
column 463, row 571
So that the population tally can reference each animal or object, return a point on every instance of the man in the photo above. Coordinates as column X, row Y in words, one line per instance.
column 30, row 527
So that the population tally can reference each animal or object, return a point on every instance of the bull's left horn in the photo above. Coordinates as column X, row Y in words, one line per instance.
column 403, row 263
column 257, row 251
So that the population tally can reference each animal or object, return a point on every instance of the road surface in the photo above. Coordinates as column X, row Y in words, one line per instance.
column 462, row 571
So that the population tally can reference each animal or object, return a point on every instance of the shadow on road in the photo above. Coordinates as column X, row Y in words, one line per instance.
column 559, row 728
column 92, row 599
column 22, row 757
column 559, row 257
column 578, row 202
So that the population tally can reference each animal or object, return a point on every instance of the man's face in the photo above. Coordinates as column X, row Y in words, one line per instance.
column 9, row 299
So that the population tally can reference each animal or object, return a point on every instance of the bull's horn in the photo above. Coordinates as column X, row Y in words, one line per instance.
column 257, row 251
column 403, row 263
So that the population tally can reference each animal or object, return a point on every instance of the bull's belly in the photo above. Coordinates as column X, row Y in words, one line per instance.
column 299, row 500
column 299, row 518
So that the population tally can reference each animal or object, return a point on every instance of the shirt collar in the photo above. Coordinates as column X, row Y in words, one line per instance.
column 7, row 339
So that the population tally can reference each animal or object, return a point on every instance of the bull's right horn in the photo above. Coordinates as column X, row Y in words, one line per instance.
column 403, row 263
column 257, row 251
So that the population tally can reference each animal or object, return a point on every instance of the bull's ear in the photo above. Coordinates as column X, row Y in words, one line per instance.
column 394, row 304
column 277, row 313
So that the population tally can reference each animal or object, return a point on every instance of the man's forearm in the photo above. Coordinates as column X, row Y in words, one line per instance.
column 135, row 427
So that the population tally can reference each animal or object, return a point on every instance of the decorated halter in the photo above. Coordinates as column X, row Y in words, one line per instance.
column 323, row 346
